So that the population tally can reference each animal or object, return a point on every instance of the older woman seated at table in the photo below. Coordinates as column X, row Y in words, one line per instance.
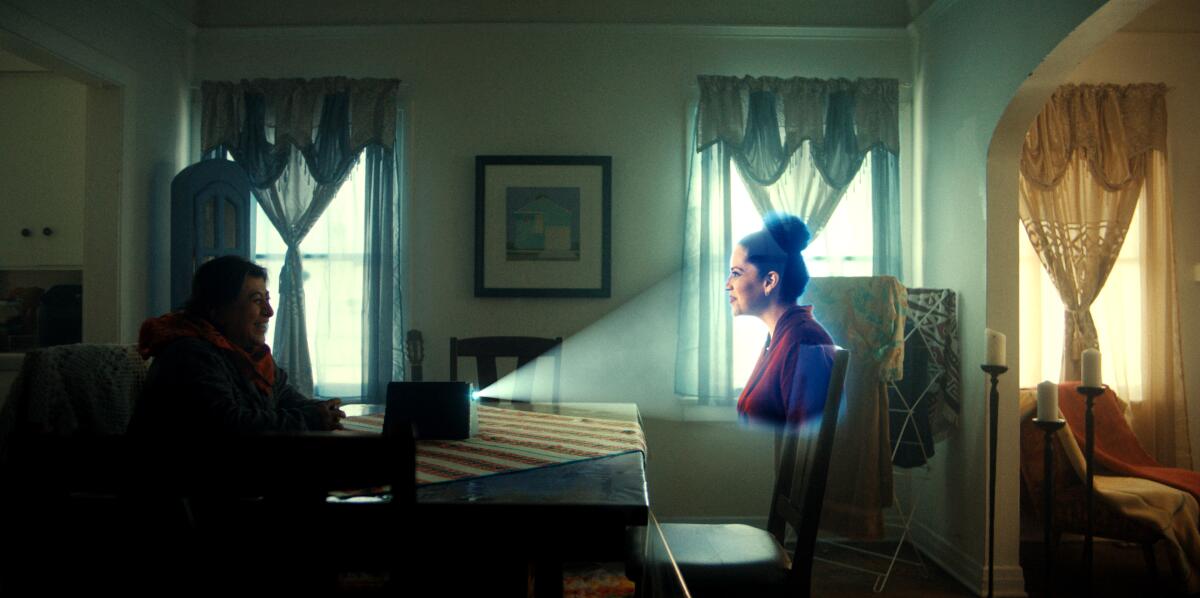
column 212, row 371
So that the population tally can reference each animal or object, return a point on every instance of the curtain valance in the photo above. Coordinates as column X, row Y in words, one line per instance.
column 730, row 107
column 293, row 110
column 1111, row 126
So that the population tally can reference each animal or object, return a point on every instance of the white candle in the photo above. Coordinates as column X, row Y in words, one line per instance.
column 995, row 348
column 1091, row 368
column 1047, row 401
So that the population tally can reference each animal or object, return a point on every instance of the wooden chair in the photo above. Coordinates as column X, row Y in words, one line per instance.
column 83, row 388
column 485, row 350
column 740, row 560
column 208, row 514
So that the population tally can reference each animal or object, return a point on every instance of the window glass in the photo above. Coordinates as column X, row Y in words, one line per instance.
column 844, row 248
column 332, row 253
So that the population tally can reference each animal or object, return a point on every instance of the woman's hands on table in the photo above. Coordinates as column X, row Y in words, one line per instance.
column 331, row 414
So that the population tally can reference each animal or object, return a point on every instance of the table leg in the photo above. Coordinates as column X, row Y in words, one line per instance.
column 548, row 579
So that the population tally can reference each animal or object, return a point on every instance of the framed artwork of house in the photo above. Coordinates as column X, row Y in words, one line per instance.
column 543, row 226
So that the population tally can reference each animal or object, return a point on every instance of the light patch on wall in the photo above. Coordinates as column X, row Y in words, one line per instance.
column 620, row 357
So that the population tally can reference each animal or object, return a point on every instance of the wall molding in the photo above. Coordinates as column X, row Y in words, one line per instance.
column 70, row 56
column 711, row 31
column 1010, row 579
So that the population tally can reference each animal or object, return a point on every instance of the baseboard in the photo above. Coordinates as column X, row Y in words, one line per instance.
column 1010, row 579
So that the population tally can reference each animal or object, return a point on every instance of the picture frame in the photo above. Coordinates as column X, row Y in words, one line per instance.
column 543, row 226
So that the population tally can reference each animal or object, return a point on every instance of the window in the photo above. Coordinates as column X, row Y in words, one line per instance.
column 332, row 254
column 844, row 248
column 1116, row 311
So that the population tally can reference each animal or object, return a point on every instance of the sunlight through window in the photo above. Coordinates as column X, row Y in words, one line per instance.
column 1116, row 311
column 844, row 248
column 332, row 253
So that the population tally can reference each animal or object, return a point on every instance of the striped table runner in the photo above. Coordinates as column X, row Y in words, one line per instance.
column 511, row 440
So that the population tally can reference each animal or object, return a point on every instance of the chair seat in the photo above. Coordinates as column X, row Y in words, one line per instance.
column 727, row 560
column 739, row 560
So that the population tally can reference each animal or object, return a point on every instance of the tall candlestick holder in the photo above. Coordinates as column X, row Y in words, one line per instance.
column 1049, row 427
column 1089, row 450
column 994, row 372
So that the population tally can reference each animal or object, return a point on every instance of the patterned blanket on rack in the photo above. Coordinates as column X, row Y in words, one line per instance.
column 510, row 440
column 925, row 404
column 934, row 313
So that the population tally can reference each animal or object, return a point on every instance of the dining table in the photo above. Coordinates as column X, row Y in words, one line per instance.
column 539, row 485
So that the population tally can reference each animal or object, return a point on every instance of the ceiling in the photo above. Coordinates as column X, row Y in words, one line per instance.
column 1166, row 16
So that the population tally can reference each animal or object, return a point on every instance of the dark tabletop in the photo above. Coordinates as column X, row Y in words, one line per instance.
column 609, row 488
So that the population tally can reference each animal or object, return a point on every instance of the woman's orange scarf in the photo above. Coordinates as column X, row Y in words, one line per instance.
column 156, row 333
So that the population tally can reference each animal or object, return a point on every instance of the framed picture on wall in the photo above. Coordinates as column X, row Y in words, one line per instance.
column 543, row 226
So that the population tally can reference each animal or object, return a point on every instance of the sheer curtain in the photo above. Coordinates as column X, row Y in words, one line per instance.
column 1077, row 228
column 1119, row 336
column 1092, row 152
column 1160, row 419
column 298, row 140
column 383, row 274
column 797, row 144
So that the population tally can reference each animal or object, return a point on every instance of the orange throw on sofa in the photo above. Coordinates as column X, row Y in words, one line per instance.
column 1117, row 449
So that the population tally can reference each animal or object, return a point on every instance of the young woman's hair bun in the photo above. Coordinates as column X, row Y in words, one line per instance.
column 777, row 248
column 790, row 232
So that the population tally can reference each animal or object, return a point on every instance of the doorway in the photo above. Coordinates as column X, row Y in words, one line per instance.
column 65, row 201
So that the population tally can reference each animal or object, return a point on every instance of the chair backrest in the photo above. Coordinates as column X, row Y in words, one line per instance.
column 485, row 350
column 74, row 389
column 803, row 471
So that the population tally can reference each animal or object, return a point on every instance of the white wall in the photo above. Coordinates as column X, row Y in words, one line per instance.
column 972, row 58
column 621, row 91
column 143, row 55
column 1174, row 59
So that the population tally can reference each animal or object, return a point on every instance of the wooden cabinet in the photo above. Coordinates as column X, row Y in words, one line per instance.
column 43, row 141
column 211, row 210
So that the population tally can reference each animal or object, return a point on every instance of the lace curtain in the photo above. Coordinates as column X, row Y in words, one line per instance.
column 797, row 143
column 298, row 139
column 1088, row 156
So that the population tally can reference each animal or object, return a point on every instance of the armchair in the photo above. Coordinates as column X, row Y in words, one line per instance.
column 1129, row 509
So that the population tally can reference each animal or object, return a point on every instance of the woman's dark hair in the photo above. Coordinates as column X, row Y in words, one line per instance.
column 777, row 248
column 218, row 282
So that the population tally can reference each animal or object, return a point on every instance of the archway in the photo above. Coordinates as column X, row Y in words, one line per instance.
column 1002, row 167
